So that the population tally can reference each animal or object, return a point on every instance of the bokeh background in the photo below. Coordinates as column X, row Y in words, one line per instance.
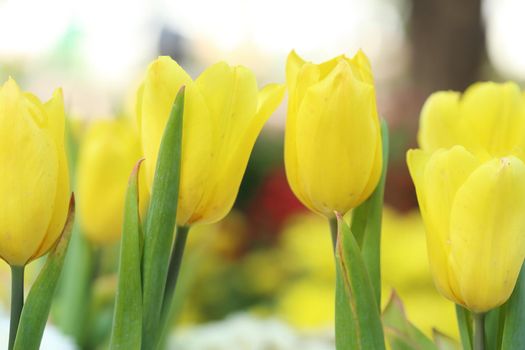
column 266, row 268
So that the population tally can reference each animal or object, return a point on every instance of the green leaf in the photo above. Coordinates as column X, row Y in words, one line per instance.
column 127, row 320
column 401, row 334
column 357, row 319
column 359, row 221
column 371, row 246
column 160, row 223
column 514, row 327
column 465, row 327
column 75, row 287
column 36, row 309
column 494, row 322
column 444, row 342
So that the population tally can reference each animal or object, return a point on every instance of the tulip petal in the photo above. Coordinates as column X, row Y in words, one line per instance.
column 336, row 173
column 163, row 80
column 487, row 226
column 440, row 121
column 231, row 95
column 56, row 121
column 444, row 173
column 138, row 106
column 495, row 115
column 361, row 67
column 28, row 179
column 198, row 151
column 235, row 164
column 293, row 67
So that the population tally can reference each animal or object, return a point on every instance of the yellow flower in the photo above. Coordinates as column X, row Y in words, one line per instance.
column 333, row 140
column 223, row 113
column 473, row 209
column 34, row 180
column 488, row 119
column 109, row 150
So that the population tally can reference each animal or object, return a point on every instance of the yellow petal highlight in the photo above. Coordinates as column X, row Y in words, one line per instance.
column 486, row 233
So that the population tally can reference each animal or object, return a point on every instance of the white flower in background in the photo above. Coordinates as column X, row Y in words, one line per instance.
column 52, row 340
column 247, row 332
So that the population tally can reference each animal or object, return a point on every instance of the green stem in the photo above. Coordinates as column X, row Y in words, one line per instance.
column 174, row 268
column 333, row 231
column 479, row 331
column 17, row 301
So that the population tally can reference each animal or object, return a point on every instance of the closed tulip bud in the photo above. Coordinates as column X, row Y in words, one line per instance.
column 108, row 152
column 488, row 119
column 333, row 140
column 34, row 180
column 473, row 209
column 223, row 114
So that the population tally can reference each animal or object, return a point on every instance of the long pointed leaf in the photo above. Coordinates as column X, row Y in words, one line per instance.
column 160, row 223
column 127, row 320
column 357, row 320
column 514, row 328
column 371, row 247
column 400, row 332
column 444, row 342
column 494, row 322
column 36, row 309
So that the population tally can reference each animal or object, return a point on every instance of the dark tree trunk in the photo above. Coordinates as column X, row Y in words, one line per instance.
column 448, row 43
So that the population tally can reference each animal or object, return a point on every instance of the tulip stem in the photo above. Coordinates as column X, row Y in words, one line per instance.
column 174, row 267
column 17, row 301
column 479, row 331
column 333, row 232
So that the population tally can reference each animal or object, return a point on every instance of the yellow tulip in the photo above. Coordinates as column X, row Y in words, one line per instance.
column 34, row 180
column 333, row 140
column 488, row 119
column 473, row 209
column 223, row 114
column 108, row 152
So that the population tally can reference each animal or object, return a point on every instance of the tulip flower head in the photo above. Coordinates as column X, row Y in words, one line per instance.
column 224, row 112
column 34, row 184
column 108, row 153
column 333, row 139
column 470, row 183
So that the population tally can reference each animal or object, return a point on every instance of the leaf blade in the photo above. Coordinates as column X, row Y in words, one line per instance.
column 358, row 323
column 160, row 223
column 513, row 333
column 465, row 327
column 127, row 318
column 371, row 246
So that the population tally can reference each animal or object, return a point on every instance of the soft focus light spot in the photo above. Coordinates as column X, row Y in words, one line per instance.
column 505, row 32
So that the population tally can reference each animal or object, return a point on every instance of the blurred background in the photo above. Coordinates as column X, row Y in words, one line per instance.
column 268, row 265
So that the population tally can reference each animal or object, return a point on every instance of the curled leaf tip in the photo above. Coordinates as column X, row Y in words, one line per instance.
column 72, row 203
column 136, row 168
